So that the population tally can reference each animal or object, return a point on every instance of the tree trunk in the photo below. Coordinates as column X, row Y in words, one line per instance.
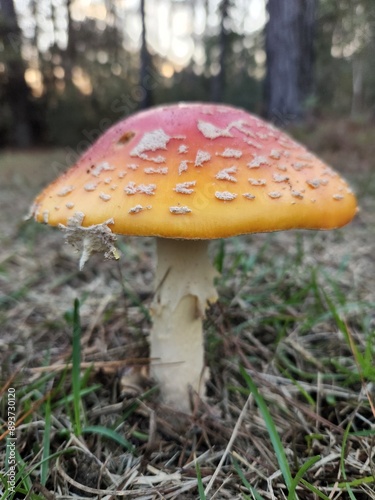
column 307, row 60
column 70, row 53
column 16, row 90
column 290, row 58
column 218, row 80
column 145, row 100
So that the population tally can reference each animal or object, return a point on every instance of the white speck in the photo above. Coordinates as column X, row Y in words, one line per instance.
column 296, row 194
column 314, row 183
column 306, row 157
column 182, row 167
column 225, row 174
column 283, row 168
column 155, row 159
column 185, row 187
column 158, row 170
column 274, row 194
column 211, row 131
column 108, row 180
column 249, row 196
column 98, row 169
column 222, row 109
column 113, row 187
column 240, row 125
column 65, row 190
column 183, row 149
column 133, row 166
column 225, row 195
column 262, row 136
column 151, row 141
column 45, row 216
column 146, row 189
column 275, row 154
column 69, row 204
column 338, row 197
column 131, row 188
column 121, row 174
column 280, row 178
column 299, row 165
column 105, row 197
column 202, row 156
column 258, row 161
column 230, row 153
column 90, row 186
column 179, row 210
column 328, row 171
column 253, row 143
column 257, row 182
column 138, row 208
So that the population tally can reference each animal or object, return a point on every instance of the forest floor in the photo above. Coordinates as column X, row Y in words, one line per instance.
column 290, row 347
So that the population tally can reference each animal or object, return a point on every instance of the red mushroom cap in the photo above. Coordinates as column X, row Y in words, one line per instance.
column 197, row 171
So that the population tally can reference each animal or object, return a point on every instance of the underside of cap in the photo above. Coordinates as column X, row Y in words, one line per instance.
column 197, row 171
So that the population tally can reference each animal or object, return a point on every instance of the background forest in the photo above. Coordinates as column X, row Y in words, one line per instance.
column 70, row 68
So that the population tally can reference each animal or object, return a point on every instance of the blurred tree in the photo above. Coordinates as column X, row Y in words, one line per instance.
column 16, row 92
column 145, row 63
column 218, row 79
column 345, row 73
column 290, row 55
column 84, row 70
column 71, row 46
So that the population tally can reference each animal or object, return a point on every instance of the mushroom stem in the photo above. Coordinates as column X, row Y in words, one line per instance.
column 184, row 287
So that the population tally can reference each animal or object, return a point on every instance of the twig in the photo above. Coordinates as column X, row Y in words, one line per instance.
column 229, row 445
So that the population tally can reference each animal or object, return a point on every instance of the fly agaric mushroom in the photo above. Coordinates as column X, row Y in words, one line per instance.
column 188, row 173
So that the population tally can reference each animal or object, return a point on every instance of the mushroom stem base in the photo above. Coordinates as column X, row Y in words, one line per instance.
column 184, row 287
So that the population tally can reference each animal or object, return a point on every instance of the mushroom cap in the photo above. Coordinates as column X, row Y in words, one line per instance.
column 197, row 171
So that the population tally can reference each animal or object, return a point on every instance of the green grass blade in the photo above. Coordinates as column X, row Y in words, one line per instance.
column 297, row 478
column 219, row 257
column 201, row 493
column 313, row 489
column 24, row 483
column 70, row 397
column 46, row 442
column 245, row 482
column 76, row 377
column 271, row 427
column 304, row 393
column 358, row 482
column 110, row 434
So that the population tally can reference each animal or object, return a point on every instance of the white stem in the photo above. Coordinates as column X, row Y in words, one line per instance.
column 184, row 287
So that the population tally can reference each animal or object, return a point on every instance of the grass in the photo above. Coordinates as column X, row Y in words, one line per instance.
column 290, row 346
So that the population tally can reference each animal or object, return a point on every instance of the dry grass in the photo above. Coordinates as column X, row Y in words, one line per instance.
column 292, row 307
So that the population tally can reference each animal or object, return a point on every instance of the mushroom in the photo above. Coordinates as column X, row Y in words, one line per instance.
column 189, row 173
